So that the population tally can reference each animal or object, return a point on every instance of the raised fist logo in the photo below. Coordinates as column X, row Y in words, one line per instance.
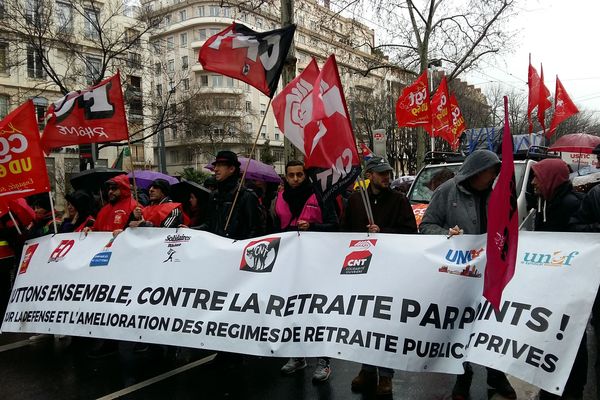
column 298, row 112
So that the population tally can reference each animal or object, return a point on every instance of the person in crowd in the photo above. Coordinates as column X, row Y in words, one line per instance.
column 115, row 215
column 297, row 208
column 392, row 213
column 210, row 183
column 161, row 212
column 79, row 212
column 43, row 223
column 245, row 221
column 194, row 212
column 458, row 206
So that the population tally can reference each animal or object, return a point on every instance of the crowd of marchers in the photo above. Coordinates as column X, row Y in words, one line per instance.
column 458, row 206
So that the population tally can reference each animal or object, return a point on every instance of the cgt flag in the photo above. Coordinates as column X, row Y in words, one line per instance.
column 533, row 99
column 563, row 107
column 252, row 57
column 544, row 103
column 22, row 164
column 503, row 228
column 457, row 124
column 412, row 107
column 93, row 115
column 440, row 110
column 332, row 158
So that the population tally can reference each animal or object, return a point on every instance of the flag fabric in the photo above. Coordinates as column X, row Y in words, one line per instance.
column 293, row 106
column 503, row 224
column 366, row 153
column 563, row 107
column 440, row 111
column 457, row 124
column 93, row 115
column 22, row 164
column 412, row 107
column 533, row 83
column 118, row 164
column 256, row 58
column 331, row 159
column 544, row 102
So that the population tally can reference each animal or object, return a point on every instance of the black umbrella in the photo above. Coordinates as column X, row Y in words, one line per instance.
column 93, row 179
column 180, row 192
column 596, row 150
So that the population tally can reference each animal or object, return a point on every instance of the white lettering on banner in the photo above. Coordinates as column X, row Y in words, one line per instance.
column 417, row 98
column 342, row 167
column 15, row 143
column 82, row 131
column 94, row 102
column 253, row 45
column 402, row 311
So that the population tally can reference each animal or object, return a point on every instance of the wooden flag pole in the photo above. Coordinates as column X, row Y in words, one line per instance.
column 135, row 192
column 247, row 165
column 53, row 212
column 10, row 214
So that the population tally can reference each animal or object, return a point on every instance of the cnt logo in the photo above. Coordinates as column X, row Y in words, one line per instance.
column 462, row 262
column 27, row 258
column 357, row 262
column 556, row 259
column 61, row 250
column 260, row 255
column 177, row 240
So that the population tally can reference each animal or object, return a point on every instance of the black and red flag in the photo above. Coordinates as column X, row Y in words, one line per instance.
column 256, row 58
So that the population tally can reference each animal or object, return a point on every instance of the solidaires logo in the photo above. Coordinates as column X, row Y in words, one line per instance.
column 359, row 259
column 556, row 259
column 260, row 255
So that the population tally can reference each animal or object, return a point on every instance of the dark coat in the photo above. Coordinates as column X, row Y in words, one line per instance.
column 391, row 211
column 587, row 218
column 558, row 210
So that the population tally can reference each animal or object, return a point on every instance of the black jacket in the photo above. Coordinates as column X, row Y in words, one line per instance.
column 554, row 215
column 587, row 218
column 247, row 219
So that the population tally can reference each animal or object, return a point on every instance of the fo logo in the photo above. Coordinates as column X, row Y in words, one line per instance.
column 61, row 250
column 357, row 262
column 260, row 255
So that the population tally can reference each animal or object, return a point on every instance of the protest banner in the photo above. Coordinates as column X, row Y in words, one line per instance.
column 408, row 302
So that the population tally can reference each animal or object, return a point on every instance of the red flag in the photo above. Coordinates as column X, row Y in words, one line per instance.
column 544, row 103
column 252, row 57
column 457, row 124
column 412, row 107
column 563, row 107
column 294, row 105
column 93, row 115
column 440, row 111
column 503, row 224
column 533, row 82
column 331, row 154
column 365, row 152
column 22, row 163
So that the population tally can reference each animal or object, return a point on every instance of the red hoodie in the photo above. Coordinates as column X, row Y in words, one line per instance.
column 550, row 174
column 115, row 216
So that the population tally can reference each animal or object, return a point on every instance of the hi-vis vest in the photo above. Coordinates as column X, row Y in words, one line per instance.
column 311, row 212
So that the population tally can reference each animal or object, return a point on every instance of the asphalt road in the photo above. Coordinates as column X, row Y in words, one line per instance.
column 53, row 368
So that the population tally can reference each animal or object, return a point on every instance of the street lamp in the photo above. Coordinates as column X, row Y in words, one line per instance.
column 435, row 63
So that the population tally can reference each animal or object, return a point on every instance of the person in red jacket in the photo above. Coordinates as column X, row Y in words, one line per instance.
column 162, row 212
column 116, row 214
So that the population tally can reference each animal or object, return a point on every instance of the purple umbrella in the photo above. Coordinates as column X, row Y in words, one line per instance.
column 143, row 179
column 256, row 170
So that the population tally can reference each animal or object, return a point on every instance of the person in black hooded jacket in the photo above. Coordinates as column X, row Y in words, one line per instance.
column 246, row 221
column 79, row 212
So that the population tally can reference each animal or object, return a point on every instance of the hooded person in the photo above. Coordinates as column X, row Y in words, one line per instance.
column 116, row 214
column 79, row 212
column 43, row 223
column 458, row 206
column 162, row 212
column 557, row 202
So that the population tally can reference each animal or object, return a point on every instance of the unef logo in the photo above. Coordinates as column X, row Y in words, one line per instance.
column 260, row 255
column 61, row 250
column 358, row 261
column 556, row 259
column 27, row 258
column 460, row 258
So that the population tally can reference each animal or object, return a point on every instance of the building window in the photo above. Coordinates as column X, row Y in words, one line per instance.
column 182, row 15
column 183, row 40
column 64, row 18
column 263, row 109
column 136, row 104
column 203, row 80
column 173, row 156
column 228, row 82
column 134, row 37
column 170, row 43
column 41, row 105
column 134, row 60
column 92, row 69
column 248, row 127
column 186, row 84
column 225, row 11
column 259, row 23
column 3, row 106
column 174, row 132
column 201, row 34
column 157, row 68
column 158, row 90
column 184, row 62
column 277, row 136
column 217, row 80
column 263, row 131
column 248, row 106
column 3, row 58
column 171, row 66
column 213, row 11
column 33, row 11
column 90, row 24
column 213, row 31
column 200, row 11
column 168, row 19
column 34, row 64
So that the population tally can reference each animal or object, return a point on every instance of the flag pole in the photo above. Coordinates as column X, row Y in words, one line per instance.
column 237, row 192
column 53, row 212
column 135, row 192
column 14, row 222
column 362, row 187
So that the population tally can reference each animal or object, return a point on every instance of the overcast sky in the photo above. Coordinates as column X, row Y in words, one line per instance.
column 564, row 36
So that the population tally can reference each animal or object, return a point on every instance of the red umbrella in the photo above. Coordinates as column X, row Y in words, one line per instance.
column 576, row 143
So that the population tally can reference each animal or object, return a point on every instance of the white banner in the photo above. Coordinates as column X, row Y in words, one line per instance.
column 408, row 302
